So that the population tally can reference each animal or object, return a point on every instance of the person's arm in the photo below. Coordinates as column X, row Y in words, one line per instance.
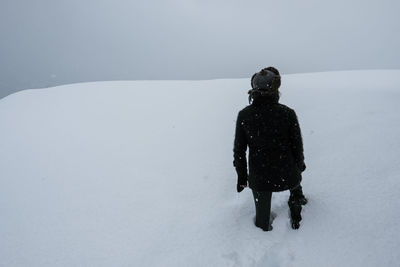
column 239, row 154
column 296, row 141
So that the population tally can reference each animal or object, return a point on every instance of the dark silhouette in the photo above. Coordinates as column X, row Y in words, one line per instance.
column 276, row 161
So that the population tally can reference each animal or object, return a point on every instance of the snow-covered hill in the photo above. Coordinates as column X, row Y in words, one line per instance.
column 140, row 174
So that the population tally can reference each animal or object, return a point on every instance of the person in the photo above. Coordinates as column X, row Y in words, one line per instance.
column 276, row 160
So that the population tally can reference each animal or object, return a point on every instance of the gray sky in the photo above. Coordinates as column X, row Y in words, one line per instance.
column 49, row 42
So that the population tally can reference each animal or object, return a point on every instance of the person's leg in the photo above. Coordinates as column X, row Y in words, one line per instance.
column 262, row 202
column 295, row 211
column 298, row 194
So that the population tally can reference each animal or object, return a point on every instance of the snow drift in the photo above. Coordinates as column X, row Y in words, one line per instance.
column 140, row 174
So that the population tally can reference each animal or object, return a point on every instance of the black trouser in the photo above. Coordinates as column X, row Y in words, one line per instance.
column 296, row 192
column 262, row 200
column 294, row 204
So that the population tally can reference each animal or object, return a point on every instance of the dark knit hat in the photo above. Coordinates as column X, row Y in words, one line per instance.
column 267, row 79
column 265, row 84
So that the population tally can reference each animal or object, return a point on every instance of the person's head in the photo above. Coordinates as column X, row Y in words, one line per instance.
column 265, row 85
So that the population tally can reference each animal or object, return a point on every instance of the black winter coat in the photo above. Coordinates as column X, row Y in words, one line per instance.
column 272, row 133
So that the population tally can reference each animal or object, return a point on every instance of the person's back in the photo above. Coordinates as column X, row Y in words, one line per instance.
column 269, row 130
column 272, row 133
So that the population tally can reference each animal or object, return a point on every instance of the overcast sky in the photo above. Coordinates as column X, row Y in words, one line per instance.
column 49, row 42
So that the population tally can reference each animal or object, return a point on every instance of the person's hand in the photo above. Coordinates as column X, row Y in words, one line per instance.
column 303, row 167
column 240, row 187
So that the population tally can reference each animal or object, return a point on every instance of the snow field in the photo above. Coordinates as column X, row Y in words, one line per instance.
column 140, row 174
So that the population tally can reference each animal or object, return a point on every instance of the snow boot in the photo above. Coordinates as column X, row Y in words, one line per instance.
column 295, row 225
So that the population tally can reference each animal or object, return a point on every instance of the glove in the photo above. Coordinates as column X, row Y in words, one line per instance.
column 242, row 183
column 240, row 188
column 302, row 166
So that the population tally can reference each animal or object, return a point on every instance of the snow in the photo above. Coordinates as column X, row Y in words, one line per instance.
column 139, row 173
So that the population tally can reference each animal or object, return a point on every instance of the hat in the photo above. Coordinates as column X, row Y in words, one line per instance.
column 268, row 79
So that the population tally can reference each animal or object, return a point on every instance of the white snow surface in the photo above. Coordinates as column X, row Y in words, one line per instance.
column 139, row 173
